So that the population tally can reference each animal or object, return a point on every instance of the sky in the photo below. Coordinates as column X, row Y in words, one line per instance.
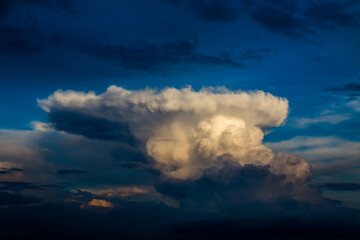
column 158, row 119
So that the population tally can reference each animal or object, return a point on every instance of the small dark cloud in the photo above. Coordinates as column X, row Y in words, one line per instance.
column 330, row 15
column 130, row 165
column 290, row 6
column 294, row 20
column 279, row 20
column 254, row 55
column 91, row 127
column 286, row 17
column 69, row 171
column 128, row 154
column 351, row 90
column 339, row 186
column 11, row 199
column 350, row 87
column 52, row 186
column 152, row 56
column 16, row 186
column 10, row 170
column 8, row 6
column 210, row 10
column 4, row 8
column 13, row 169
column 14, row 40
column 64, row 5
column 320, row 58
column 21, row 35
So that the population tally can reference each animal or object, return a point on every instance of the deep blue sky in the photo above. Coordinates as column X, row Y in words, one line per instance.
column 305, row 51
column 292, row 49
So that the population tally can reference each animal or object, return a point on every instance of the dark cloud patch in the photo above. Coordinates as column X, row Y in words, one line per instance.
column 11, row 199
column 7, row 6
column 290, row 6
column 330, row 15
column 10, row 193
column 213, row 10
column 239, row 191
column 91, row 127
column 255, row 55
column 350, row 87
column 16, row 186
column 289, row 18
column 24, row 36
column 10, row 170
column 16, row 41
column 209, row 10
column 293, row 19
column 278, row 19
column 52, row 186
column 352, row 90
column 127, row 154
column 130, row 165
column 152, row 56
column 276, row 15
column 13, row 169
column 339, row 186
column 19, row 32
column 320, row 58
column 70, row 171
column 64, row 5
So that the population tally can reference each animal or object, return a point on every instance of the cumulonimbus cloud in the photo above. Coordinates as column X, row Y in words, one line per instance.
column 187, row 132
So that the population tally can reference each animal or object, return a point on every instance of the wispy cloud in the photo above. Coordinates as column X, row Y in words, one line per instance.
column 348, row 186
column 329, row 156
column 211, row 11
column 304, row 122
column 70, row 171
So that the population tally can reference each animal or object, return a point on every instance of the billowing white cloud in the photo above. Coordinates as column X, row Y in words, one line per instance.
column 186, row 131
column 118, row 104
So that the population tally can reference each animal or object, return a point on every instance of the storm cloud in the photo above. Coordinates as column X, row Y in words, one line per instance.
column 197, row 140
column 109, row 129
column 194, row 154
column 185, row 131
